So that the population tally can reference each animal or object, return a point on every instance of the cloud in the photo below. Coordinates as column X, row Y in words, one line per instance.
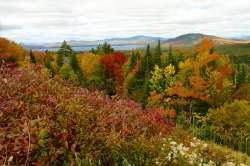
column 9, row 27
column 47, row 21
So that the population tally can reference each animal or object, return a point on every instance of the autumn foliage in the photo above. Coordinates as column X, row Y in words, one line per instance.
column 10, row 51
column 46, row 122
column 113, row 65
column 48, row 118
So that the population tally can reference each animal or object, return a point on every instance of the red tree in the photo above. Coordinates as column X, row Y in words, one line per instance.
column 112, row 64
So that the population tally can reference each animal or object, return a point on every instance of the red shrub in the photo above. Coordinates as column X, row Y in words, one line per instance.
column 43, row 121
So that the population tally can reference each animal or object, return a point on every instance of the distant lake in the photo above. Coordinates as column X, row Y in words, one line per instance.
column 89, row 47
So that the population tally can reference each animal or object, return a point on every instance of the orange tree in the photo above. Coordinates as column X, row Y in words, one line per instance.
column 203, row 81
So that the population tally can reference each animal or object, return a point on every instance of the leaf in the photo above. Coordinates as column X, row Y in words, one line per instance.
column 43, row 134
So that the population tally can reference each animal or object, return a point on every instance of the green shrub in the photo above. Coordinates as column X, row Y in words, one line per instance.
column 67, row 73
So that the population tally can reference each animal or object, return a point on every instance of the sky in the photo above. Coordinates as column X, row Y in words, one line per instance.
column 38, row 21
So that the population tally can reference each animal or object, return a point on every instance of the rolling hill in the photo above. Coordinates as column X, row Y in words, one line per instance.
column 185, row 40
column 195, row 38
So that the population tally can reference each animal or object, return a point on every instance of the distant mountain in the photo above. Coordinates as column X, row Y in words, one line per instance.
column 140, row 41
column 195, row 38
column 242, row 38
column 135, row 40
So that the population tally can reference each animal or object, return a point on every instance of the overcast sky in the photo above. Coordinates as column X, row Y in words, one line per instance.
column 55, row 20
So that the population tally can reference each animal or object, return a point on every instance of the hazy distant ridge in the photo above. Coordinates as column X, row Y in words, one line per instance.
column 182, row 40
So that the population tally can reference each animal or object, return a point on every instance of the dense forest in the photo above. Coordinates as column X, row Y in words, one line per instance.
column 149, row 106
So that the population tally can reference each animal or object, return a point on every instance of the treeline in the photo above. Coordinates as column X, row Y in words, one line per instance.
column 190, row 88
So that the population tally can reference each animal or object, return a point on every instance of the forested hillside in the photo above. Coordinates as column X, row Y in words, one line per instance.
column 106, row 107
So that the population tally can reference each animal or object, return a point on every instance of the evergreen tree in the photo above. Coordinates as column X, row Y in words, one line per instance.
column 65, row 49
column 75, row 67
column 149, row 59
column 74, row 63
column 107, row 49
column 32, row 57
column 140, row 82
column 63, row 53
column 93, row 51
column 146, row 64
column 103, row 49
column 133, row 59
column 241, row 76
column 170, row 58
column 59, row 60
column 157, row 54
column 47, row 63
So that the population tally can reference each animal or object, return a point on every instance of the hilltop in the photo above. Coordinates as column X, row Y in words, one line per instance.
column 195, row 38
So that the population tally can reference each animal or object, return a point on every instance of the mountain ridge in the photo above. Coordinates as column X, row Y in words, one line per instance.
column 188, row 39
column 195, row 38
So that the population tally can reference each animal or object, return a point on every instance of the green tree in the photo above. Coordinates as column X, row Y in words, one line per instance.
column 75, row 66
column 241, row 76
column 170, row 58
column 139, row 84
column 67, row 73
column 149, row 60
column 63, row 54
column 157, row 54
column 48, row 65
column 32, row 57
column 103, row 49
column 133, row 59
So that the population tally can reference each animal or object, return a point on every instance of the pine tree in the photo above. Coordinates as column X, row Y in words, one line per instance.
column 149, row 59
column 157, row 54
column 140, row 81
column 135, row 56
column 75, row 67
column 63, row 53
column 107, row 49
column 241, row 74
column 32, row 57
column 59, row 60
column 74, row 63
column 103, row 49
column 170, row 58
column 47, row 63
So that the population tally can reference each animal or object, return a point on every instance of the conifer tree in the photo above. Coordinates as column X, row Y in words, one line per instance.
column 103, row 49
column 170, row 58
column 132, row 60
column 47, row 63
column 149, row 59
column 74, row 63
column 76, row 67
column 32, row 57
column 142, row 77
column 241, row 74
column 63, row 53
column 157, row 54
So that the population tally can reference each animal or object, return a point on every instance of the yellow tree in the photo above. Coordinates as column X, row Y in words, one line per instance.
column 91, row 68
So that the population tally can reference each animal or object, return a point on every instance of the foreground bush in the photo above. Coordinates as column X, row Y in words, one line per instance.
column 231, row 123
column 192, row 151
column 49, row 122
